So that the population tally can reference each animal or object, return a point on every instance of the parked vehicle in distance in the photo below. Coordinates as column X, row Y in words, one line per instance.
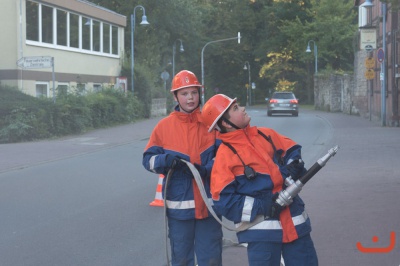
column 283, row 102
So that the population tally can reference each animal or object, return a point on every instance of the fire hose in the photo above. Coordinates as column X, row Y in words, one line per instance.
column 285, row 197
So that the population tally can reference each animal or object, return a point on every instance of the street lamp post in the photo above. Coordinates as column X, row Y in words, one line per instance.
column 144, row 22
column 173, row 55
column 383, row 66
column 308, row 50
column 247, row 67
column 202, row 61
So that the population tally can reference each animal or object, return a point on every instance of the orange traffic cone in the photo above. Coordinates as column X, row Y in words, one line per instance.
column 158, row 201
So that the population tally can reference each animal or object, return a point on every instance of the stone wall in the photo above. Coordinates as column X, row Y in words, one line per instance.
column 346, row 93
column 333, row 93
column 355, row 95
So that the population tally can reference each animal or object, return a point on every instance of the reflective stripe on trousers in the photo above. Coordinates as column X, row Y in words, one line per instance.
column 276, row 225
column 182, row 205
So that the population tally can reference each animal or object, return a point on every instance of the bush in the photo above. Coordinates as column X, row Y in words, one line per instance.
column 26, row 118
column 70, row 115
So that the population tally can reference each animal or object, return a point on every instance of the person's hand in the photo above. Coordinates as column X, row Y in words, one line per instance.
column 202, row 170
column 275, row 208
column 172, row 161
column 296, row 169
column 264, row 201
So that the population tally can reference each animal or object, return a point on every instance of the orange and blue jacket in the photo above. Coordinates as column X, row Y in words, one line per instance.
column 185, row 136
column 240, row 199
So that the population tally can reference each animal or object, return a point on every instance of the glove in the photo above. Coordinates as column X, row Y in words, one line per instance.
column 275, row 209
column 202, row 170
column 172, row 161
column 264, row 203
column 296, row 169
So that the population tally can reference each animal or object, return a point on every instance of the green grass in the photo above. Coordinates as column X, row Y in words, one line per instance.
column 307, row 106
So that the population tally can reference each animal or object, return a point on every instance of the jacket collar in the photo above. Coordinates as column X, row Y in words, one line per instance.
column 240, row 135
column 194, row 116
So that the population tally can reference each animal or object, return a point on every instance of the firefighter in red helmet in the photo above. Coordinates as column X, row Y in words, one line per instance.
column 182, row 80
column 248, row 173
column 193, row 232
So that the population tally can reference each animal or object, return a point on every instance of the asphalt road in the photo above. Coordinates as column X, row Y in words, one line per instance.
column 84, row 200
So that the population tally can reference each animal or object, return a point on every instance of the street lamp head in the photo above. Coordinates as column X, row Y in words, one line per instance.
column 308, row 50
column 245, row 67
column 181, row 48
column 144, row 20
column 367, row 4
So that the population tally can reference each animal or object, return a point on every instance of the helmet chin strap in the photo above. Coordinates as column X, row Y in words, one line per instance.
column 230, row 123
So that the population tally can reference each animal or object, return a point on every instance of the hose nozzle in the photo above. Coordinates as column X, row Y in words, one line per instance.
column 331, row 152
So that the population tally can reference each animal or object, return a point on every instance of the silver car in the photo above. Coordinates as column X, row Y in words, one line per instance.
column 283, row 102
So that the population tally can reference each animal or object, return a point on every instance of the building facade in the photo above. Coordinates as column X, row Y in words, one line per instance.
column 377, row 69
column 72, row 46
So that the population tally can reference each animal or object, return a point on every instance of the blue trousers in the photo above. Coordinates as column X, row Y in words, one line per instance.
column 300, row 252
column 203, row 237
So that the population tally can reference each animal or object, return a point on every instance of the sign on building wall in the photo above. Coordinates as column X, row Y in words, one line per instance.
column 35, row 62
column 30, row 62
column 368, row 39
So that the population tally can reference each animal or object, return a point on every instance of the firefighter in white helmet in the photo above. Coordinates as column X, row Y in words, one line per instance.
column 248, row 173
column 182, row 135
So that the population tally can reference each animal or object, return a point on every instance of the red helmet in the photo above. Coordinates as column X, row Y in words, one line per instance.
column 214, row 108
column 184, row 79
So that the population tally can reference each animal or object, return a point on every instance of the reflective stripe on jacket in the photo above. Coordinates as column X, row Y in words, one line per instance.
column 182, row 135
column 240, row 199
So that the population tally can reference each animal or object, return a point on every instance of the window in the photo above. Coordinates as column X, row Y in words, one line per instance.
column 106, row 38
column 96, row 35
column 86, row 25
column 47, row 24
column 62, row 88
column 114, row 36
column 32, row 21
column 73, row 30
column 42, row 89
column 283, row 95
column 60, row 28
column 97, row 87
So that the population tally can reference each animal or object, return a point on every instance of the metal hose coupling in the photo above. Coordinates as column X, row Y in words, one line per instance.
column 286, row 196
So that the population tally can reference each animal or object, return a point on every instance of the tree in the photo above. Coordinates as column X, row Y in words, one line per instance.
column 332, row 27
column 279, row 52
column 274, row 38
